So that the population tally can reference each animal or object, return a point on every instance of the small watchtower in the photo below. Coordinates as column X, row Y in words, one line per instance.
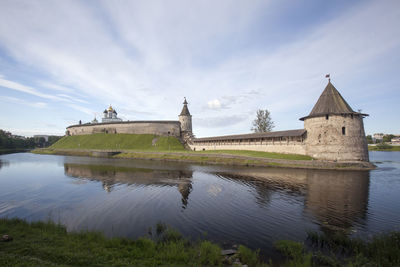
column 334, row 130
column 186, row 121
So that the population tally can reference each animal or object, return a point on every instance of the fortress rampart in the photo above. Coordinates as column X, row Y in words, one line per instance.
column 167, row 128
column 332, row 131
column 292, row 142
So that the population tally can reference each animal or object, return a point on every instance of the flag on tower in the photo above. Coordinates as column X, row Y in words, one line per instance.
column 327, row 76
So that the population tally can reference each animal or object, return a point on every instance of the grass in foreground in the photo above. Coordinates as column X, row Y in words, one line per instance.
column 48, row 244
column 340, row 250
column 144, row 142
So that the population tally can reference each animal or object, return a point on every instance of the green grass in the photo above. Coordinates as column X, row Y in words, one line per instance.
column 202, row 159
column 48, row 244
column 383, row 147
column 339, row 250
column 143, row 142
column 258, row 154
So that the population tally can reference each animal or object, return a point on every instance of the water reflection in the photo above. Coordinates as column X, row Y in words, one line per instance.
column 110, row 176
column 3, row 163
column 336, row 199
column 232, row 205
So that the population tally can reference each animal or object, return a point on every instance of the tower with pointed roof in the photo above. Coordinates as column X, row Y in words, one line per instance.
column 334, row 130
column 186, row 121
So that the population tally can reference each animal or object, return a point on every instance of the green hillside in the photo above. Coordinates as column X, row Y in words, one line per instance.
column 120, row 141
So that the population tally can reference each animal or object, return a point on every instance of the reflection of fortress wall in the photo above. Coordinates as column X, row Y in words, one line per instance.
column 336, row 198
column 172, row 128
column 111, row 175
column 127, row 175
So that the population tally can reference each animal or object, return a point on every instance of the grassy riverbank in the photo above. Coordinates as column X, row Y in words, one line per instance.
column 239, row 158
column 48, row 244
column 142, row 142
column 383, row 148
column 339, row 250
column 12, row 150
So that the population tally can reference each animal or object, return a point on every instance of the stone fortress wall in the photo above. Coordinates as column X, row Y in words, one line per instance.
column 336, row 137
column 332, row 131
column 285, row 147
column 167, row 128
column 290, row 142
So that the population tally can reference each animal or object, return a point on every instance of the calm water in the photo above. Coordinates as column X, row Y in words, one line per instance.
column 251, row 206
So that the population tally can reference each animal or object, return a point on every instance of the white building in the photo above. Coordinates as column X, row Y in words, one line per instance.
column 110, row 115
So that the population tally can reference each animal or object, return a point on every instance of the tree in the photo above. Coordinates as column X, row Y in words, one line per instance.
column 262, row 122
column 369, row 139
column 387, row 138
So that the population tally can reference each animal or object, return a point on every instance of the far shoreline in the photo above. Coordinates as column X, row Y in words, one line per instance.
column 209, row 158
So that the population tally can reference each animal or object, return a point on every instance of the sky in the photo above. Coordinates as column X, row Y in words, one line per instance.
column 65, row 61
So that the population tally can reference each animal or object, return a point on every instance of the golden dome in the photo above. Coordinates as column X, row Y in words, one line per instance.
column 110, row 108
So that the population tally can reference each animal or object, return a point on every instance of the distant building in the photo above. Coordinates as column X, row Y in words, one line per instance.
column 46, row 137
column 395, row 140
column 111, row 124
column 378, row 137
column 18, row 137
column 110, row 115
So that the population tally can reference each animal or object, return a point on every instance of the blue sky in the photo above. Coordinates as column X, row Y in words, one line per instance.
column 65, row 61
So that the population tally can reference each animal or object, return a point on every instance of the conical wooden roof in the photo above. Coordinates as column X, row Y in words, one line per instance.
column 185, row 110
column 331, row 102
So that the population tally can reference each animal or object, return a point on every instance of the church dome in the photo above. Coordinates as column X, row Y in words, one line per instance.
column 110, row 108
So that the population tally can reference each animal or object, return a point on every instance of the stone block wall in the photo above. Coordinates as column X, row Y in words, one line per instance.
column 285, row 147
column 166, row 128
column 336, row 137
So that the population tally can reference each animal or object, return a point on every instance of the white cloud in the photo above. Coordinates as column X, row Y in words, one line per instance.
column 214, row 104
column 83, row 109
column 26, row 89
column 55, row 87
column 147, row 55
column 15, row 100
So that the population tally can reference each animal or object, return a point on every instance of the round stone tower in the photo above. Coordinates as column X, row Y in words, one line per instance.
column 186, row 121
column 334, row 130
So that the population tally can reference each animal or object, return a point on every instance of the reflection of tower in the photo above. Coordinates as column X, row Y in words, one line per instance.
column 185, row 186
column 186, row 121
column 3, row 163
column 107, row 186
column 185, row 189
column 111, row 175
column 337, row 198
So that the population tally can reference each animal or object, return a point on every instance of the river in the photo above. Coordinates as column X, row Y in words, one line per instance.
column 225, row 204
